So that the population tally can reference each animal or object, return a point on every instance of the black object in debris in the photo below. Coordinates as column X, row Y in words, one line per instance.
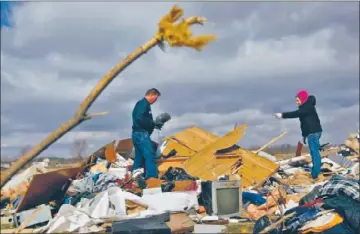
column 141, row 182
column 154, row 224
column 322, row 147
column 226, row 177
column 227, row 150
column 170, row 154
column 175, row 173
column 348, row 208
column 168, row 187
column 205, row 198
column 263, row 223
column 161, row 119
column 344, row 153
column 78, row 197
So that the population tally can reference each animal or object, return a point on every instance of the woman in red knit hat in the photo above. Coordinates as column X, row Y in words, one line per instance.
column 310, row 126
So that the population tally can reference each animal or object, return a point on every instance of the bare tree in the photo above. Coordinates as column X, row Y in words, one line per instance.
column 79, row 149
column 285, row 148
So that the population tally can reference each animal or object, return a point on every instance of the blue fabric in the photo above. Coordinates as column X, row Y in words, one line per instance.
column 142, row 117
column 299, row 210
column 301, row 217
column 342, row 228
column 314, row 146
column 67, row 200
column 16, row 202
column 96, row 177
column 253, row 198
column 144, row 154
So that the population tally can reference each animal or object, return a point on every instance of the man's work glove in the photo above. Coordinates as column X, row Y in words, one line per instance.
column 161, row 120
column 158, row 126
column 278, row 115
column 304, row 140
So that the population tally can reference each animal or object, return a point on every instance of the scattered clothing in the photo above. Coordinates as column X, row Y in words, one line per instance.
column 322, row 223
column 301, row 218
column 342, row 228
column 348, row 209
column 93, row 184
column 311, row 196
column 341, row 185
column 252, row 198
column 342, row 161
column 74, row 200
column 177, row 174
column 264, row 222
column 313, row 203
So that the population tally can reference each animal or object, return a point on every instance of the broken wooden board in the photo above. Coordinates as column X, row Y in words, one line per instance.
column 165, row 164
column 180, row 223
column 189, row 141
column 211, row 164
column 44, row 187
column 197, row 165
column 255, row 169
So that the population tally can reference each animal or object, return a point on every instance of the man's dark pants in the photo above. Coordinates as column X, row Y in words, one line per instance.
column 144, row 154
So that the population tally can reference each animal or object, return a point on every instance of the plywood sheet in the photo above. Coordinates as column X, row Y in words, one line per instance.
column 207, row 154
column 215, row 168
column 196, row 138
column 255, row 169
column 43, row 187
column 181, row 149
column 171, row 162
column 189, row 141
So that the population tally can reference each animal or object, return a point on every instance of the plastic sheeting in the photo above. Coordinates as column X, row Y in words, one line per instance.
column 110, row 204
column 172, row 201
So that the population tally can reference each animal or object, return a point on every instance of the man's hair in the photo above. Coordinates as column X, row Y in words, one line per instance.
column 153, row 91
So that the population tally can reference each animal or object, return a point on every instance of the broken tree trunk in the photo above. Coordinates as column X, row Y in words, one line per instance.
column 177, row 35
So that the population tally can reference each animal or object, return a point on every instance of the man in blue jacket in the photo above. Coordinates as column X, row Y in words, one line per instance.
column 142, row 128
column 310, row 127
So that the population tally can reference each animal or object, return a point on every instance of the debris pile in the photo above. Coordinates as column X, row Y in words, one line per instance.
column 206, row 182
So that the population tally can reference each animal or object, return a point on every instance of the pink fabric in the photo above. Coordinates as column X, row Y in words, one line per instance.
column 303, row 96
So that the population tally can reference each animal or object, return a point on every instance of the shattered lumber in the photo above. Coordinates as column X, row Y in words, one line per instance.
column 270, row 142
column 168, row 30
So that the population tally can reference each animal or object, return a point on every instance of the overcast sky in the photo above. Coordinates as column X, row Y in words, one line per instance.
column 54, row 53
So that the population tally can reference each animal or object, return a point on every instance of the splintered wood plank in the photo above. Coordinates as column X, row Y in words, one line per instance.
column 189, row 141
column 255, row 169
column 196, row 164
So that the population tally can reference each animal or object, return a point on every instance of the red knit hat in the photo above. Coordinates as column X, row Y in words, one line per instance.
column 303, row 96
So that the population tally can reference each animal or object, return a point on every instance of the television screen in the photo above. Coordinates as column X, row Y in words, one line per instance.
column 227, row 200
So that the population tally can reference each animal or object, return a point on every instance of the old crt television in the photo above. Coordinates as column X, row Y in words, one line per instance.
column 222, row 198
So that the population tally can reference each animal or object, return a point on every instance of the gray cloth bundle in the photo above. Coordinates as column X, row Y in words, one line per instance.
column 161, row 119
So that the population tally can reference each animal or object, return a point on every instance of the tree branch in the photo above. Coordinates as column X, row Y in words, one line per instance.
column 89, row 116
column 166, row 26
